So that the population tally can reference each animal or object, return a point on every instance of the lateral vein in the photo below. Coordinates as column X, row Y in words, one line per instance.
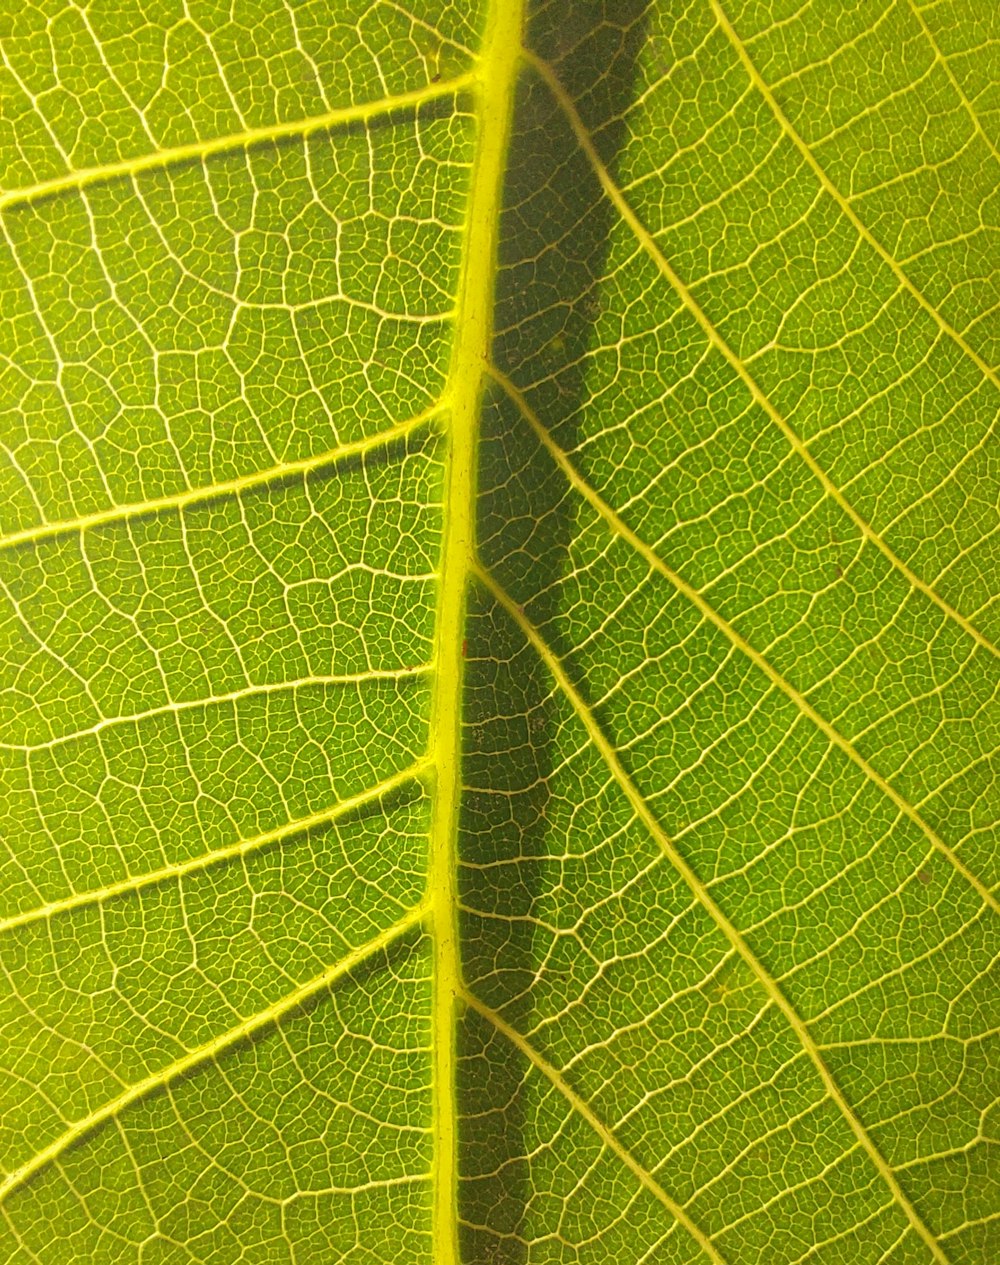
column 960, row 91
column 228, row 487
column 656, row 563
column 701, row 893
column 241, row 848
column 582, row 1109
column 801, row 145
column 209, row 1051
column 405, row 673
column 198, row 151
column 648, row 244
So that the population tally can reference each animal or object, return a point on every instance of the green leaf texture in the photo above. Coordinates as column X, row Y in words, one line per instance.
column 498, row 671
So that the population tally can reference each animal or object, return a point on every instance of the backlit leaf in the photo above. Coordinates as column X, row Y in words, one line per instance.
column 498, row 671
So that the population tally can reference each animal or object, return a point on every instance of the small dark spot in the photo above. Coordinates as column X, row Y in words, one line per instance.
column 593, row 305
column 435, row 78
column 924, row 876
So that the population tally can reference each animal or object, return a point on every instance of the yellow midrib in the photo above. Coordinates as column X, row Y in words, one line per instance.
column 495, row 81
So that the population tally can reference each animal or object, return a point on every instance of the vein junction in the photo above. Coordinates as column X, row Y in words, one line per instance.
column 317, row 590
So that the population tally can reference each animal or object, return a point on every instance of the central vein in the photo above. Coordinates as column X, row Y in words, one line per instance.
column 495, row 84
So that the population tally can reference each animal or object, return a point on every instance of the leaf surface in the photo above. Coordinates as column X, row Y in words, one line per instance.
column 498, row 709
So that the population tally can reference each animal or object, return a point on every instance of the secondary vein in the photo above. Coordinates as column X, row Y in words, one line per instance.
column 656, row 563
column 771, row 987
column 198, row 151
column 842, row 202
column 207, row 1052
column 240, row 848
column 649, row 245
column 606, row 1135
column 224, row 488
column 408, row 672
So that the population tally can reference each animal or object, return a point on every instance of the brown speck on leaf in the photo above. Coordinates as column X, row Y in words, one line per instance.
column 924, row 876
column 593, row 305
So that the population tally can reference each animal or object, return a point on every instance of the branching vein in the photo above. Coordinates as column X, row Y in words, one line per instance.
column 180, row 501
column 209, row 1052
column 241, row 848
column 199, row 151
column 701, row 893
column 620, row 528
column 648, row 244
column 582, row 1109
column 842, row 202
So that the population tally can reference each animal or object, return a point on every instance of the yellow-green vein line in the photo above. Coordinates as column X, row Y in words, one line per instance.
column 653, row 560
column 205, row 860
column 959, row 90
column 229, row 487
column 209, row 1051
column 987, row 1219
column 704, row 897
column 406, row 673
column 648, row 244
column 558, row 1081
column 496, row 78
column 844, row 203
column 198, row 151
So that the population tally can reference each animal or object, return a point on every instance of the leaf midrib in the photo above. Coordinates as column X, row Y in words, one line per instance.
column 463, row 397
column 495, row 83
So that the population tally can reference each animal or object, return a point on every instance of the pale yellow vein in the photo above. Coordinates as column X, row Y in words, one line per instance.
column 205, row 860
column 199, row 151
column 943, row 61
column 648, row 244
column 263, row 690
column 701, row 893
column 653, row 560
column 582, row 1109
column 843, row 202
column 225, row 488
column 973, row 1223
column 209, row 1051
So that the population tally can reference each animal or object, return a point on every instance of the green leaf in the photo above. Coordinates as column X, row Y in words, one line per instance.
column 498, row 672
